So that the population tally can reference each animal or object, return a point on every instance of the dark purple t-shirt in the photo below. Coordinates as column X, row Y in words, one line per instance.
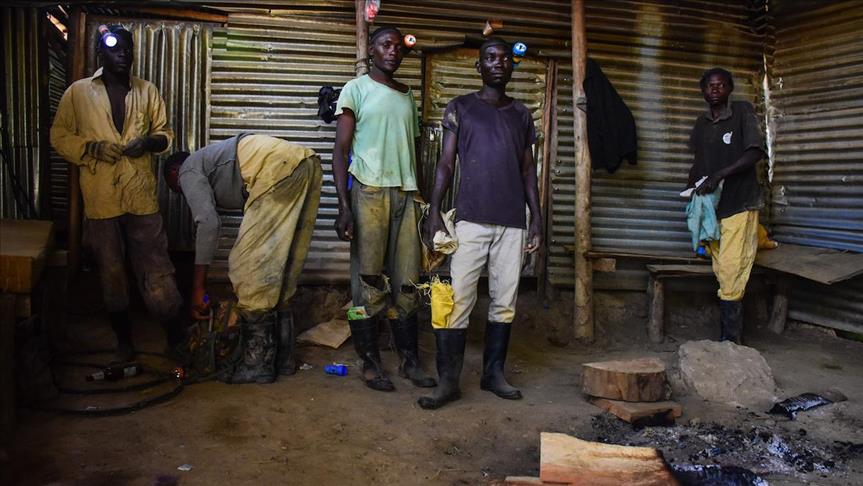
column 491, row 144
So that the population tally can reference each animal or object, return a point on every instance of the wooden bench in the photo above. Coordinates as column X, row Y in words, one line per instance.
column 822, row 265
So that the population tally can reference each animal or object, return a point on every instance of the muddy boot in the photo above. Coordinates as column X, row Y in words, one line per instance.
column 258, row 363
column 123, row 329
column 365, row 334
column 493, row 360
column 731, row 319
column 405, row 338
column 287, row 363
column 450, row 358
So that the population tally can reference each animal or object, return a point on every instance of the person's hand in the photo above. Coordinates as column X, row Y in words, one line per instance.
column 137, row 147
column 105, row 151
column 345, row 224
column 200, row 305
column 534, row 237
column 709, row 185
column 433, row 224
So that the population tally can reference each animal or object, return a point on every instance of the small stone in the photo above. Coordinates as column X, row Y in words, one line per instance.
column 694, row 422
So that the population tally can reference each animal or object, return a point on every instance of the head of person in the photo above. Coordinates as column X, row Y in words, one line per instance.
column 716, row 86
column 495, row 62
column 114, row 49
column 171, row 170
column 387, row 49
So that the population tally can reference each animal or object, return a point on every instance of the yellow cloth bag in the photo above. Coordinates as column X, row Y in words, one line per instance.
column 441, row 296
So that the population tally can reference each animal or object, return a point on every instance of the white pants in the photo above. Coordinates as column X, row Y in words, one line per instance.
column 502, row 248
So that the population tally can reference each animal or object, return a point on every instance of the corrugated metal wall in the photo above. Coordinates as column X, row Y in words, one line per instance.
column 58, row 168
column 654, row 53
column 20, row 42
column 267, row 71
column 175, row 56
column 817, row 91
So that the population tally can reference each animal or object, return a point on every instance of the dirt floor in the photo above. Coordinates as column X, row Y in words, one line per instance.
column 316, row 429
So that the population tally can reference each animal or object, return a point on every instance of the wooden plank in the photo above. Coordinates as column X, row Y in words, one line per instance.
column 633, row 380
column 24, row 245
column 566, row 459
column 822, row 265
column 680, row 270
column 633, row 411
column 525, row 481
column 604, row 265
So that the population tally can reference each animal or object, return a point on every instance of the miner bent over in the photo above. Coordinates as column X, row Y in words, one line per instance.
column 277, row 184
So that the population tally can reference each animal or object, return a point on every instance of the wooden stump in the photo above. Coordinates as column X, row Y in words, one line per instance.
column 656, row 310
column 636, row 380
column 569, row 460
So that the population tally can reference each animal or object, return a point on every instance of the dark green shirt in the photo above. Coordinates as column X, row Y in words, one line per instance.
column 721, row 142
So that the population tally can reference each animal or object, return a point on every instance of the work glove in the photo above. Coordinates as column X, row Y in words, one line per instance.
column 137, row 147
column 104, row 151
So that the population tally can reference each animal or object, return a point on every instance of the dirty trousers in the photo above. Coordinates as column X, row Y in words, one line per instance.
column 385, row 246
column 502, row 248
column 267, row 258
column 733, row 261
column 144, row 238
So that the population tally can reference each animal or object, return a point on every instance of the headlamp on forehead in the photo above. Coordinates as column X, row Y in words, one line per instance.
column 519, row 49
column 409, row 41
column 108, row 37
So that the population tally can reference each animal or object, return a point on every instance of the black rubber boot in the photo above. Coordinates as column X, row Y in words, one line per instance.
column 405, row 338
column 731, row 319
column 258, row 363
column 175, row 335
column 123, row 329
column 493, row 360
column 365, row 334
column 287, row 363
column 450, row 358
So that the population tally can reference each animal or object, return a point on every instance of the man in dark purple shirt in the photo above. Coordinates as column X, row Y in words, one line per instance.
column 492, row 134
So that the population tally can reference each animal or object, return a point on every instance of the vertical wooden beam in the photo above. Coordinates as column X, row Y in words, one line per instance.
column 779, row 314
column 362, row 66
column 656, row 309
column 549, row 126
column 583, row 268
column 77, row 58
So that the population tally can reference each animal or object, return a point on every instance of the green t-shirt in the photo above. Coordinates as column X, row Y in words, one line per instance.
column 383, row 152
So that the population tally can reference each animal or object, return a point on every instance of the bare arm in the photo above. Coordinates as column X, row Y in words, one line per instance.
column 345, row 125
column 528, row 177
column 442, row 182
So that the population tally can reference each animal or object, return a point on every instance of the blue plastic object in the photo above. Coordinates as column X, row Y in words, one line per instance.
column 336, row 369
column 519, row 49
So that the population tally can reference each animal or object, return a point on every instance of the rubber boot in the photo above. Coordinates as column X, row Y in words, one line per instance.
column 123, row 329
column 365, row 334
column 258, row 363
column 493, row 360
column 287, row 363
column 176, row 340
column 405, row 338
column 731, row 319
column 450, row 358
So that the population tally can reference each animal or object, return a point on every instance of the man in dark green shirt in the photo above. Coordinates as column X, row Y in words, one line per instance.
column 728, row 142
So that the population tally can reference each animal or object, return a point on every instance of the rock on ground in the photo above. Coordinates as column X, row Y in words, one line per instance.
column 727, row 373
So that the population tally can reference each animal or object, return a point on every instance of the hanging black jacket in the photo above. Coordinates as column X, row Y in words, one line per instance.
column 610, row 125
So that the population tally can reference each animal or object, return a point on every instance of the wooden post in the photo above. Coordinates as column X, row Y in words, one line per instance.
column 583, row 268
column 779, row 314
column 362, row 66
column 77, row 56
column 656, row 309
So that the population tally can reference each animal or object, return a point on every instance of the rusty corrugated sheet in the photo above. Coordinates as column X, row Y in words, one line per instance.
column 20, row 43
column 817, row 90
column 58, row 168
column 654, row 53
column 267, row 71
column 175, row 56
